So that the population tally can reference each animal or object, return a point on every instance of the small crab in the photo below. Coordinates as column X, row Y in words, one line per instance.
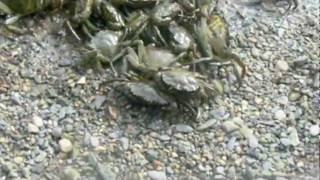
column 19, row 8
column 103, row 49
column 212, row 37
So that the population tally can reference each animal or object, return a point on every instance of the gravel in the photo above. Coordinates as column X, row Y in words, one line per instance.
column 60, row 121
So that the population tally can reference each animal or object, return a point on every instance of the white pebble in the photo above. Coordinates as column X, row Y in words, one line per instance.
column 37, row 121
column 33, row 128
column 280, row 115
column 65, row 145
column 314, row 130
column 282, row 65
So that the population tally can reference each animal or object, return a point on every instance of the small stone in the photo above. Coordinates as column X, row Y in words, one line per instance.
column 220, row 170
column 151, row 155
column 82, row 80
column 65, row 62
column 314, row 130
column 33, row 128
column 71, row 174
column 164, row 137
column 255, row 52
column 232, row 125
column 293, row 136
column 282, row 65
column 183, row 128
column 157, row 175
column 37, row 121
column 18, row 160
column 280, row 115
column 56, row 132
column 65, row 145
column 94, row 141
column 294, row 96
column 99, row 101
column 207, row 124
column 16, row 98
column 124, row 143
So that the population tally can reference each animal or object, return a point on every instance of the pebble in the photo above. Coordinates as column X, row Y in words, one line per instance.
column 151, row 155
column 282, row 65
column 157, row 175
column 65, row 145
column 183, row 128
column 71, row 174
column 280, row 115
column 56, row 132
column 207, row 125
column 124, row 143
column 82, row 80
column 37, row 121
column 94, row 141
column 314, row 130
column 255, row 52
column 33, row 128
column 65, row 62
column 99, row 101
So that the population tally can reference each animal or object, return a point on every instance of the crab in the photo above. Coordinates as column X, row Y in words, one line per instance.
column 156, row 79
column 212, row 37
column 19, row 8
column 103, row 49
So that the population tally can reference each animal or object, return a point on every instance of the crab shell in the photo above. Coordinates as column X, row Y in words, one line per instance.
column 144, row 93
column 183, row 84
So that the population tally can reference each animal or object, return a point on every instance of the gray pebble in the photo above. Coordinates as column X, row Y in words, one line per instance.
column 255, row 52
column 151, row 155
column 99, row 101
column 207, row 124
column 56, row 132
column 124, row 143
column 183, row 128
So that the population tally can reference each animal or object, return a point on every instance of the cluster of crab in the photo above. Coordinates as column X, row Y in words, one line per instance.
column 161, row 51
